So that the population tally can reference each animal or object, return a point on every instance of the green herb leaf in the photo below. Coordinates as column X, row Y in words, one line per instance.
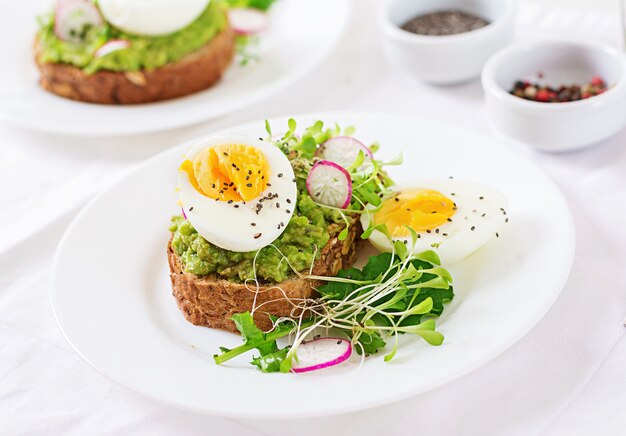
column 271, row 362
column 252, row 335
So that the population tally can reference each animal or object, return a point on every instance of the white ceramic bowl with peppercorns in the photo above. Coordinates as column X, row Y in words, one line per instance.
column 445, row 58
column 544, row 69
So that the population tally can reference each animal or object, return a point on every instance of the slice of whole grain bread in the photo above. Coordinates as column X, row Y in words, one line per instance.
column 211, row 301
column 196, row 71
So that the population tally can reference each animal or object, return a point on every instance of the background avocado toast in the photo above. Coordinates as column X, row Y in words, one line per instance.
column 85, row 58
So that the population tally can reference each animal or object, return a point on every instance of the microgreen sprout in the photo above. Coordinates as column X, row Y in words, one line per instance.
column 395, row 293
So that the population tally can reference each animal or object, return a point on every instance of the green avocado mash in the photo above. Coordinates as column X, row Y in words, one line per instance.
column 310, row 227
column 145, row 52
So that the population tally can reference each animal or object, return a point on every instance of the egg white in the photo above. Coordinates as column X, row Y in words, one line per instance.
column 229, row 226
column 476, row 221
column 151, row 17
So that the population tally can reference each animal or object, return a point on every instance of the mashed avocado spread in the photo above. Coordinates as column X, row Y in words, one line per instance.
column 145, row 52
column 308, row 229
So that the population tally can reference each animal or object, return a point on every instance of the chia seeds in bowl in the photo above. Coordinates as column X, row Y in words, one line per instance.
column 442, row 23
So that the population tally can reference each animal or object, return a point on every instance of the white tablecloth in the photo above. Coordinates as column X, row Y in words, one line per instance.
column 565, row 377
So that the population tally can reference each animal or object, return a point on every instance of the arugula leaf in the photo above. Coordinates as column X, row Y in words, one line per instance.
column 371, row 343
column 271, row 362
column 252, row 335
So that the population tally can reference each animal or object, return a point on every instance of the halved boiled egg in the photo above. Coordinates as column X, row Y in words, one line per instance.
column 453, row 218
column 151, row 17
column 239, row 193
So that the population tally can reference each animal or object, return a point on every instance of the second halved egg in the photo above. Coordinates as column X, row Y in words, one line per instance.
column 454, row 218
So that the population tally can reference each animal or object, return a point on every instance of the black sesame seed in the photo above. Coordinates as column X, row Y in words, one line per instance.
column 294, row 180
column 253, row 224
column 289, row 201
column 497, row 236
column 339, row 342
column 481, row 198
column 225, row 154
column 506, row 220
column 231, row 184
column 449, row 220
column 483, row 215
column 473, row 228
column 452, row 193
column 428, row 231
column 277, row 205
column 419, row 236
column 280, row 174
column 249, row 185
column 262, row 177
column 236, row 206
column 444, row 234
column 191, row 208
column 288, row 211
column 269, row 184
column 397, row 199
column 247, row 177
column 250, row 172
column 213, row 185
column 230, row 201
column 436, row 230
column 257, row 236
column 234, row 166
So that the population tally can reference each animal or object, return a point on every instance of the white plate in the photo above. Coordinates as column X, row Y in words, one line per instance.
column 300, row 36
column 112, row 295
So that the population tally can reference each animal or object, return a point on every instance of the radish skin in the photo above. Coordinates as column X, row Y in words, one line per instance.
column 111, row 46
column 321, row 353
column 343, row 150
column 330, row 184
column 247, row 21
column 70, row 14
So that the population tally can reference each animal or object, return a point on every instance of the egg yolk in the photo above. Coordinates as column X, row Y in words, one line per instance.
column 419, row 209
column 234, row 172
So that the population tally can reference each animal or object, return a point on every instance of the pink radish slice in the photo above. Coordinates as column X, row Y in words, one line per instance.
column 112, row 46
column 321, row 353
column 247, row 21
column 330, row 184
column 343, row 150
column 73, row 17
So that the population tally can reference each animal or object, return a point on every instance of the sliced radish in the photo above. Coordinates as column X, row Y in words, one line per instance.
column 330, row 184
column 73, row 18
column 343, row 150
column 321, row 353
column 247, row 21
column 112, row 46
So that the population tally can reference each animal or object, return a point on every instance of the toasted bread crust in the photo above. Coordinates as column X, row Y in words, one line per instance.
column 210, row 301
column 196, row 71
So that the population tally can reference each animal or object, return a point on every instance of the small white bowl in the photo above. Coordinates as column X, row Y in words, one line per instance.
column 556, row 126
column 445, row 59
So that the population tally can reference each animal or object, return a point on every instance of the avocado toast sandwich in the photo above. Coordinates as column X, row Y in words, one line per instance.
column 260, row 218
column 128, row 52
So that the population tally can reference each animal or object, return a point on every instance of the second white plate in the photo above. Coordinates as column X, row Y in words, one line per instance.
column 294, row 43
column 113, row 301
